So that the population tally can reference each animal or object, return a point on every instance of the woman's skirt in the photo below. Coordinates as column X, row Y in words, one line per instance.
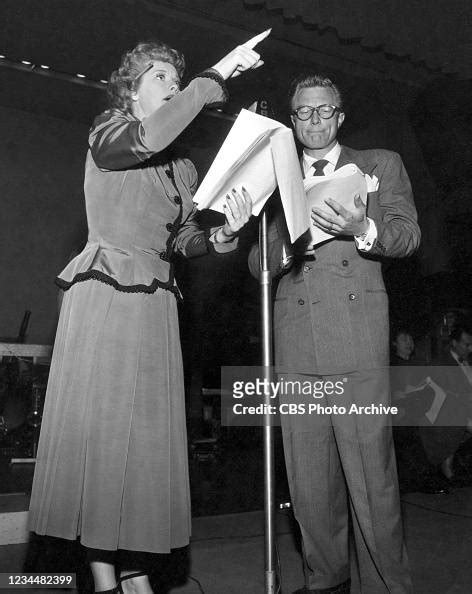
column 112, row 455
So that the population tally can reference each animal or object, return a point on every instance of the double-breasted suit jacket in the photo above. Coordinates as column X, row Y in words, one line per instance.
column 331, row 310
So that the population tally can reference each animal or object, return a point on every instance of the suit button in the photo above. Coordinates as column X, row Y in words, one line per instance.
column 306, row 268
column 301, row 302
column 177, row 199
column 345, row 262
column 352, row 296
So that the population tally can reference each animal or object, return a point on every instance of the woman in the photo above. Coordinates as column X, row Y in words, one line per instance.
column 112, row 458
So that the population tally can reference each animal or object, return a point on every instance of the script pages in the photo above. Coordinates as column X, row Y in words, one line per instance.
column 342, row 185
column 259, row 153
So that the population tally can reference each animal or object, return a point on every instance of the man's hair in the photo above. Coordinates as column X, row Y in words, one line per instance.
column 459, row 329
column 310, row 79
column 401, row 330
column 122, row 82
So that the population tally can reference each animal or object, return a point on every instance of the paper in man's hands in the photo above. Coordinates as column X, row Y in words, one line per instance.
column 439, row 399
column 342, row 185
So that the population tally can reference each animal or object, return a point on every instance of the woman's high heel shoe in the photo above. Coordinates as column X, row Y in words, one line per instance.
column 130, row 576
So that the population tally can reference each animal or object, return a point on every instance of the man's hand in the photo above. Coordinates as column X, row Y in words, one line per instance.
column 341, row 221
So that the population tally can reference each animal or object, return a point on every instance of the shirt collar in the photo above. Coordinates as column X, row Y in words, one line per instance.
column 332, row 157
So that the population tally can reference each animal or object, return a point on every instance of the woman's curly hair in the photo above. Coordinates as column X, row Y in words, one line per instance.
column 122, row 82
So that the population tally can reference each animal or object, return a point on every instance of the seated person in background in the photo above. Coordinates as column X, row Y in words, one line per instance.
column 415, row 472
column 403, row 347
column 453, row 425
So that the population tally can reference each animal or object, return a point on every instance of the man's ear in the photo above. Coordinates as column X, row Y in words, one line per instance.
column 340, row 119
column 292, row 119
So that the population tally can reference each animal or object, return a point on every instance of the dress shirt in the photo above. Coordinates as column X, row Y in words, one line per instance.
column 332, row 157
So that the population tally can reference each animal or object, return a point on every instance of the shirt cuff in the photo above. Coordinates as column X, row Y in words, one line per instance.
column 365, row 241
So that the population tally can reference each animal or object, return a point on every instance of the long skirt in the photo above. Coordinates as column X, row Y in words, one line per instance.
column 112, row 456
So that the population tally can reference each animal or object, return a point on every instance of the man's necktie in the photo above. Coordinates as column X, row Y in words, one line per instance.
column 319, row 165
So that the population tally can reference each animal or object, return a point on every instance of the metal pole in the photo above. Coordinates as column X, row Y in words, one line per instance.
column 266, row 316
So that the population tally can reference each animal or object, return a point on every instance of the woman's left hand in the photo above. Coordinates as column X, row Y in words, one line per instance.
column 238, row 210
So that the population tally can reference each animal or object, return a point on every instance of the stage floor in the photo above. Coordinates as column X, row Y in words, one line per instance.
column 226, row 555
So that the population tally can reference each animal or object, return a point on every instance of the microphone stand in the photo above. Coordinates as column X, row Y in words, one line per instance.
column 265, row 284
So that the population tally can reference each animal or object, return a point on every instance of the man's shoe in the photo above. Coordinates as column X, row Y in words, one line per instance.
column 433, row 488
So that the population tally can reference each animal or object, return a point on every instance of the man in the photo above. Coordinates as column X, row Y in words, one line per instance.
column 453, row 425
column 415, row 472
column 331, row 323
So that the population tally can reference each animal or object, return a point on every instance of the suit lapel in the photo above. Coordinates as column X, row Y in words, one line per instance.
column 345, row 158
column 349, row 155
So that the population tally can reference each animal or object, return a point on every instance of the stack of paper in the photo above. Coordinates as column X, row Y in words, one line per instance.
column 342, row 185
column 259, row 153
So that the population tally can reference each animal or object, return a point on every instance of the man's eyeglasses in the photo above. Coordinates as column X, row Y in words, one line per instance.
column 305, row 112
